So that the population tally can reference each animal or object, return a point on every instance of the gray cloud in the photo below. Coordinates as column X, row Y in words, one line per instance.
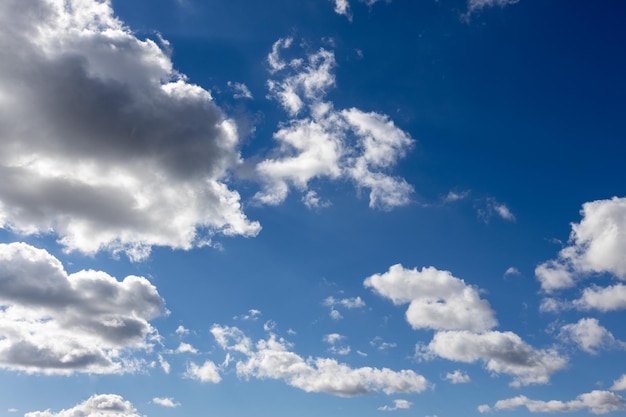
column 54, row 322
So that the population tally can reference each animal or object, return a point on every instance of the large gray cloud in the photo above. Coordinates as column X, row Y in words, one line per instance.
column 102, row 141
column 57, row 323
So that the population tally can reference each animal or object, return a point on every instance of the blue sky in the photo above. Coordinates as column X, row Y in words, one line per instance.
column 316, row 207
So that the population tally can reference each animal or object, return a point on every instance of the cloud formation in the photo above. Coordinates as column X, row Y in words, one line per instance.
column 103, row 405
column 590, row 336
column 458, row 377
column 397, row 405
column 437, row 300
column 271, row 358
column 596, row 402
column 57, row 323
column 501, row 353
column 321, row 142
column 476, row 5
column 596, row 245
column 165, row 402
column 102, row 142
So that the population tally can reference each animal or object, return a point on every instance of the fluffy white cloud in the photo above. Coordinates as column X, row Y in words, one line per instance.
column 619, row 384
column 321, row 142
column 102, row 142
column 354, row 302
column 207, row 372
column 590, row 336
column 596, row 402
column 342, row 7
column 596, row 245
column 165, row 402
column 397, row 405
column 57, row 323
column 271, row 358
column 501, row 352
column 186, row 348
column 458, row 377
column 602, row 298
column 103, row 405
column 437, row 299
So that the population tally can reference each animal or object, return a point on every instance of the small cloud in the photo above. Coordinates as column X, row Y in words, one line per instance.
column 619, row 384
column 241, row 90
column 380, row 344
column 363, row 354
column 13, row 410
column 253, row 314
column 458, row 377
column 164, row 365
column 484, row 408
column 165, row 402
column 205, row 373
column 335, row 315
column 342, row 7
column 291, row 332
column 454, row 196
column 313, row 201
column 186, row 348
column 398, row 405
column 512, row 271
column 181, row 330
column 491, row 207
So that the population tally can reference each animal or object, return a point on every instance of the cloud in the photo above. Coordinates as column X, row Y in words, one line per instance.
column 437, row 300
column 397, row 405
column 590, row 336
column 458, row 377
column 596, row 245
column 186, row 348
column 164, row 365
column 476, row 5
column 501, row 353
column 342, row 7
column 102, row 142
column 321, row 142
column 380, row 344
column 271, row 358
column 604, row 299
column 596, row 402
column 494, row 208
column 165, row 402
column 313, row 201
column 512, row 271
column 102, row 405
column 208, row 372
column 335, row 339
column 349, row 303
column 57, row 323
column 241, row 90
column 619, row 384
column 181, row 330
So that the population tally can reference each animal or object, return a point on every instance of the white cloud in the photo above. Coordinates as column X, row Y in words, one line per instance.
column 397, row 405
column 271, row 358
column 186, row 348
column 102, row 142
column 590, row 336
column 241, row 90
column 312, row 200
column 349, row 303
column 476, row 5
column 164, row 365
column 380, row 344
column 596, row 402
column 165, row 402
column 208, row 372
column 454, row 196
column 602, row 298
column 13, row 410
column 335, row 340
column 596, row 245
column 619, row 384
column 501, row 352
column 253, row 314
column 57, row 323
column 494, row 208
column 335, row 314
column 437, row 300
column 342, row 7
column 181, row 330
column 512, row 271
column 102, row 405
column 321, row 142
column 458, row 377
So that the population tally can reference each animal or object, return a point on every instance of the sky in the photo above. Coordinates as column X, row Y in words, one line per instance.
column 312, row 208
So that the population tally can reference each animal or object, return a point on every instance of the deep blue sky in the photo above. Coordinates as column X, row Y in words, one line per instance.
column 502, row 124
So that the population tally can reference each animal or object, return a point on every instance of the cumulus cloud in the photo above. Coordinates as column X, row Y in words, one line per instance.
column 512, row 271
column 458, row 377
column 240, row 90
column 397, row 405
column 596, row 402
column 186, row 348
column 590, row 336
column 603, row 299
column 501, row 353
column 165, row 402
column 342, row 7
column 207, row 372
column 349, row 303
column 321, row 142
column 58, row 323
column 335, row 340
column 596, row 245
column 272, row 358
column 102, row 405
column 619, row 384
column 437, row 300
column 102, row 142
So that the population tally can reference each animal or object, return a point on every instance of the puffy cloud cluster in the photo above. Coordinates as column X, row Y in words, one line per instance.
column 397, row 405
column 596, row 402
column 102, row 142
column 501, row 353
column 590, row 336
column 165, row 402
column 103, row 405
column 57, row 323
column 596, row 245
column 437, row 300
column 272, row 358
column 458, row 377
column 322, row 142
column 207, row 372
